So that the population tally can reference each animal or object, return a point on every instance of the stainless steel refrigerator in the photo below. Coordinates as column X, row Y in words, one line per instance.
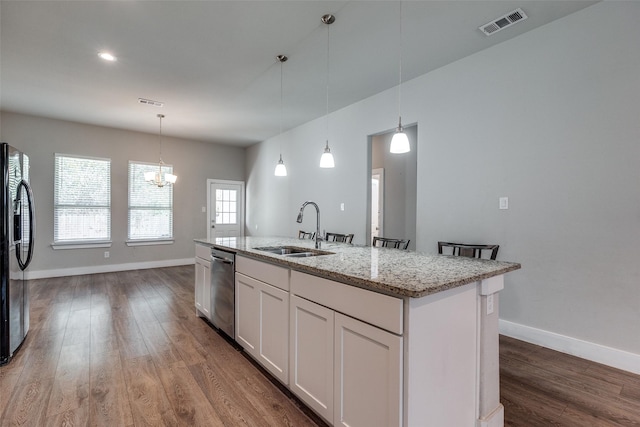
column 17, row 233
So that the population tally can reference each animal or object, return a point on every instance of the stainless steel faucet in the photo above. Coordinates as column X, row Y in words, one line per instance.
column 299, row 220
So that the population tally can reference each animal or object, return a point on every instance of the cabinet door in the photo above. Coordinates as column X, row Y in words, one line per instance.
column 203, row 287
column 273, row 351
column 311, row 355
column 262, row 324
column 368, row 375
column 247, row 313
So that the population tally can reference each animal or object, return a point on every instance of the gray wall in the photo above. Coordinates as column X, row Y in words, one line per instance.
column 400, row 185
column 549, row 119
column 192, row 161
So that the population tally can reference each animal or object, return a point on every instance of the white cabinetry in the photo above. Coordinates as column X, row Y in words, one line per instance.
column 361, row 358
column 348, row 371
column 312, row 355
column 203, row 281
column 367, row 375
column 247, row 313
column 262, row 314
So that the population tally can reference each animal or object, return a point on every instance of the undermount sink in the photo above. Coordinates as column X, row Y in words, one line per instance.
column 292, row 251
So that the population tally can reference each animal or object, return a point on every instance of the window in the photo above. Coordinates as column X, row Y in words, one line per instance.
column 150, row 206
column 82, row 199
column 226, row 206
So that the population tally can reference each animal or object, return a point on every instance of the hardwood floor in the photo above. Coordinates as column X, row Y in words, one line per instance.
column 125, row 349
column 542, row 387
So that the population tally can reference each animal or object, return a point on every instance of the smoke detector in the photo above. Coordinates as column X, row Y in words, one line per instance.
column 150, row 102
column 503, row 22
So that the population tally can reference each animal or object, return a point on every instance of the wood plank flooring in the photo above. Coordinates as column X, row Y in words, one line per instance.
column 126, row 349
column 542, row 387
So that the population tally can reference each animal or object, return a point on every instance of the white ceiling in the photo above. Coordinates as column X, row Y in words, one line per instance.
column 213, row 62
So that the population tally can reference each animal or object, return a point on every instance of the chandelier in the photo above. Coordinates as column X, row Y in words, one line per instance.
column 156, row 178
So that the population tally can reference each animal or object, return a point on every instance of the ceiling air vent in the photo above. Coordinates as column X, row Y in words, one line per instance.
column 150, row 102
column 503, row 22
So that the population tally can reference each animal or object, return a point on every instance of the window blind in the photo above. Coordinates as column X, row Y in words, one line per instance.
column 150, row 206
column 82, row 199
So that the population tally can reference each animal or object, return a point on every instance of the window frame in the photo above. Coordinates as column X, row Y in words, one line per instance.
column 148, row 241
column 83, row 242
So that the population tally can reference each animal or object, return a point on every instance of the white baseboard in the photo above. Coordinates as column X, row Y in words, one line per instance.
column 495, row 419
column 609, row 356
column 109, row 268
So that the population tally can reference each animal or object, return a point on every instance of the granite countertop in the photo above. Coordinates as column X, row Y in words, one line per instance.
column 391, row 271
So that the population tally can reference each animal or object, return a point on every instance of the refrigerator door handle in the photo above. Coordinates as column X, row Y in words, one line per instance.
column 32, row 228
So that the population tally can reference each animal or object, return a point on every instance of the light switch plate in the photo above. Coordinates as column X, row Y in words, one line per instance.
column 341, row 206
column 504, row 203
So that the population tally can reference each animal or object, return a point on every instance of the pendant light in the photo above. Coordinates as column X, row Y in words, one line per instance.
column 281, row 169
column 156, row 178
column 326, row 161
column 400, row 141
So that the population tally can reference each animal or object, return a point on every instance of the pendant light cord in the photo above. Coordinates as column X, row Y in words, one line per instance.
column 160, row 116
column 327, row 82
column 280, row 168
column 281, row 110
column 400, row 69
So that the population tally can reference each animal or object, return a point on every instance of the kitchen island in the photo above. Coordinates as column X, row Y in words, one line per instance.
column 373, row 336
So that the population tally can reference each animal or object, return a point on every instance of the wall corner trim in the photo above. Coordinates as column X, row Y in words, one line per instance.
column 609, row 356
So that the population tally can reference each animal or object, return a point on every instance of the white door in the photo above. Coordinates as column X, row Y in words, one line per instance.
column 377, row 202
column 225, row 213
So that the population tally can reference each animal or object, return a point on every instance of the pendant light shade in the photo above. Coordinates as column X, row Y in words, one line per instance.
column 281, row 169
column 326, row 161
column 400, row 141
column 156, row 177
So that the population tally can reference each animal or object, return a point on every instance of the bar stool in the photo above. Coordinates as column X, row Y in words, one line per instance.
column 468, row 250
column 385, row 242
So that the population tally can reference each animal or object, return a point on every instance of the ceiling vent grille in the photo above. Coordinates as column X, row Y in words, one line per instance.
column 150, row 102
column 503, row 22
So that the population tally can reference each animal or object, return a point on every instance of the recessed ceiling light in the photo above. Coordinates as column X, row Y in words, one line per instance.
column 107, row 56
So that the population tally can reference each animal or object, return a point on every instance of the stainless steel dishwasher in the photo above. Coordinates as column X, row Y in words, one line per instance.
column 223, row 291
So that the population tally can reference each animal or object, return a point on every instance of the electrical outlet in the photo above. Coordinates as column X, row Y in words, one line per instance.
column 106, row 254
column 489, row 304
column 504, row 203
column 341, row 206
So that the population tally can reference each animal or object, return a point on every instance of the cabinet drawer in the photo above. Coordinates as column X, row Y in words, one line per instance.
column 268, row 273
column 203, row 251
column 377, row 309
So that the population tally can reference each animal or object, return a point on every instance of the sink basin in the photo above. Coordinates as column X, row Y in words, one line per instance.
column 292, row 251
